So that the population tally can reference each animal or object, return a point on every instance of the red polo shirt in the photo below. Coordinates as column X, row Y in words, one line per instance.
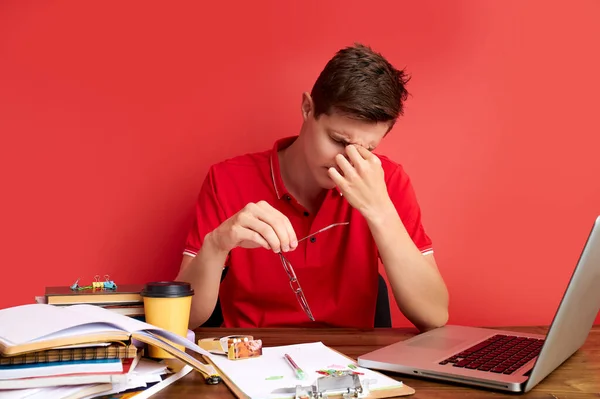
column 337, row 269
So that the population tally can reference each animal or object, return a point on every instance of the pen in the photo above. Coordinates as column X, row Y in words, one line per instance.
column 297, row 370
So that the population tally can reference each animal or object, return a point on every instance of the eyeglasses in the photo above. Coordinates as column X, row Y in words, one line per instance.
column 294, row 284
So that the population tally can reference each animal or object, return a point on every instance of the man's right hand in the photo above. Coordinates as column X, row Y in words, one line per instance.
column 256, row 225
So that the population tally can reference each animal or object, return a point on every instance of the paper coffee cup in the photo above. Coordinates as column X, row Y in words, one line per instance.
column 167, row 305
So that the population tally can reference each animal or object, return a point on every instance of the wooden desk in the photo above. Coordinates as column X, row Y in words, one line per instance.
column 578, row 377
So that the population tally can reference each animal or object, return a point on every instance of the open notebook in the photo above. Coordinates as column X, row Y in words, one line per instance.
column 36, row 327
column 271, row 377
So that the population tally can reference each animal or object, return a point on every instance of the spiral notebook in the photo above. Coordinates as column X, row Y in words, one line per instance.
column 271, row 377
column 116, row 350
column 37, row 327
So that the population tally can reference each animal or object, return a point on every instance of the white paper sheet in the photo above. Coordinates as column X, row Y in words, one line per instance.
column 145, row 372
column 165, row 383
column 250, row 375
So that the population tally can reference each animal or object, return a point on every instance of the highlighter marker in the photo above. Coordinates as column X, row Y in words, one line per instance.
column 297, row 370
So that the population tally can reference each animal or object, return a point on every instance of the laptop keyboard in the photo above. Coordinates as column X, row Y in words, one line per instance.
column 499, row 354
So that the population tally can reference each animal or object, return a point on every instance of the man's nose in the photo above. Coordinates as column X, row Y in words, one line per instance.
column 344, row 154
column 347, row 159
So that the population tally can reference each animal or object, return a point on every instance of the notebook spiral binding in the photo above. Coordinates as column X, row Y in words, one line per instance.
column 70, row 354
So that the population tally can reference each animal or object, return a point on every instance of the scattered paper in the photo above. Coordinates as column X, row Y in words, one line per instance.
column 254, row 376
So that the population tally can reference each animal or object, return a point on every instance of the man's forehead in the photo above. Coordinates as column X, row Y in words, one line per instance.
column 356, row 128
column 367, row 135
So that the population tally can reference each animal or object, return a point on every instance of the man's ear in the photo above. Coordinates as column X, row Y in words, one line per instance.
column 307, row 105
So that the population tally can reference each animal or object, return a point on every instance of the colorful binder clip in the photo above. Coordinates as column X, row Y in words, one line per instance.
column 96, row 284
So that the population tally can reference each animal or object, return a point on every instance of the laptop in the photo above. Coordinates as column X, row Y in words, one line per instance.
column 503, row 360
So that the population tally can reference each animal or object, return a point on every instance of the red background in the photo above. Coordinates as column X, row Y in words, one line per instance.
column 111, row 113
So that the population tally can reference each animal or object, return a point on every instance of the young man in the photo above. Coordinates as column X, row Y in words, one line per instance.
column 254, row 208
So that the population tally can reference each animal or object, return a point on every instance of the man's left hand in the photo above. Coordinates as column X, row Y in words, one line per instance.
column 362, row 181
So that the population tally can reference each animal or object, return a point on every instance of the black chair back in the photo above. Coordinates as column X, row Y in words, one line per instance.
column 383, row 317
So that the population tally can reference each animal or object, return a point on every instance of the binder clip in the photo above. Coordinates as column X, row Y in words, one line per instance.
column 346, row 385
column 96, row 284
column 75, row 285
column 109, row 284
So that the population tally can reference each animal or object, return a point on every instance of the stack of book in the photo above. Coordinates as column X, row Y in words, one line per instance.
column 125, row 299
column 84, row 351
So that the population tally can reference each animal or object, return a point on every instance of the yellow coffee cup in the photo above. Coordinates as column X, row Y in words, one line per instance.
column 167, row 305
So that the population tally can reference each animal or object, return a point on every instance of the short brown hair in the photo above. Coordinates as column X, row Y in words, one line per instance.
column 361, row 84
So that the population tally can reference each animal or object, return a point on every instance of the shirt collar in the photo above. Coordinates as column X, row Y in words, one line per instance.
column 278, row 185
